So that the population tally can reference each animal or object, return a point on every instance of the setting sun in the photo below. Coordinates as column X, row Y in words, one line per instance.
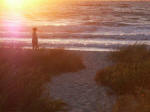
column 21, row 4
column 14, row 3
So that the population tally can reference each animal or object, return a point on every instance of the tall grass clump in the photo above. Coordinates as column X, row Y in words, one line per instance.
column 24, row 74
column 129, row 78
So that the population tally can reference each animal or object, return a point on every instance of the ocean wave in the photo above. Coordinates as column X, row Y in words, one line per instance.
column 88, row 21
column 97, row 44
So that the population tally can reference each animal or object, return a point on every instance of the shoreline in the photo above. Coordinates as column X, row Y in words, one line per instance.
column 77, row 44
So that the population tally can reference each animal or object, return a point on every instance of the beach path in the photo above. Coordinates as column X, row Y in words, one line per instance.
column 79, row 90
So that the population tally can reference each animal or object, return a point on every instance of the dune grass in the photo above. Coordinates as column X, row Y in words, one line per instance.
column 129, row 78
column 24, row 73
column 131, row 103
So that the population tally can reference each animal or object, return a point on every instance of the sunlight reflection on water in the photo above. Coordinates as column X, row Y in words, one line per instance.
column 75, row 44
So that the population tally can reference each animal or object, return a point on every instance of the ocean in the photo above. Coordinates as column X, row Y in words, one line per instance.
column 86, row 26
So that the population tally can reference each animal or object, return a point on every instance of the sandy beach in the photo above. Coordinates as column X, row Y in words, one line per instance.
column 80, row 90
column 75, row 56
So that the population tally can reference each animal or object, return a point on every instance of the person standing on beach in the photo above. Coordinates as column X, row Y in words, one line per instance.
column 35, row 45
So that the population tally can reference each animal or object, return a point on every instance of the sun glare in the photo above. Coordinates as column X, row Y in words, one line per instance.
column 21, row 4
column 14, row 3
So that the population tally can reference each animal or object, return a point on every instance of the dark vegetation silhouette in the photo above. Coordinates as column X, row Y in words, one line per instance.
column 129, row 78
column 24, row 75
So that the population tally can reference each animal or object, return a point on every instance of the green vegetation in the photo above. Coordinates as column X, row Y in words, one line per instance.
column 129, row 78
column 24, row 74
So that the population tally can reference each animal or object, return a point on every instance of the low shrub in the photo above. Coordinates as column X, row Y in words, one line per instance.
column 129, row 78
column 129, row 72
column 24, row 73
column 131, row 103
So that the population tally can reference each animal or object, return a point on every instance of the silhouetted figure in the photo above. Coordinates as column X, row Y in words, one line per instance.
column 35, row 45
